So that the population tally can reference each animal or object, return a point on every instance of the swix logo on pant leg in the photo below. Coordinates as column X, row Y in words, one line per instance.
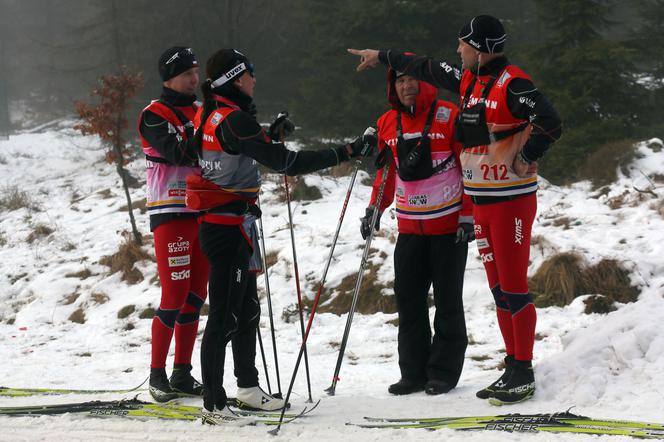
column 487, row 257
column 239, row 275
column 518, row 230
column 179, row 276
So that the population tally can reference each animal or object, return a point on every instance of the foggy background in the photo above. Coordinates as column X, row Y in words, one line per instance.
column 599, row 62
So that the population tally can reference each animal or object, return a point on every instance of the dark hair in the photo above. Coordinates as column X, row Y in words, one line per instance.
column 218, row 64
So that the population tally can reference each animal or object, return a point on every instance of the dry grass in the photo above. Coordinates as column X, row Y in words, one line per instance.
column 566, row 276
column 124, row 259
column 300, row 191
column 15, row 199
column 83, row 274
column 70, row 299
column 78, row 316
column 126, row 311
column 271, row 258
column 598, row 304
column 3, row 239
column 68, row 247
column 370, row 300
column 99, row 298
column 136, row 205
column 106, row 194
column 558, row 280
column 39, row 231
column 147, row 313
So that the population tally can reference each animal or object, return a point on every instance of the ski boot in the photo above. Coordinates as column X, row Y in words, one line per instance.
column 489, row 391
column 160, row 389
column 255, row 398
column 519, row 387
column 405, row 386
column 183, row 383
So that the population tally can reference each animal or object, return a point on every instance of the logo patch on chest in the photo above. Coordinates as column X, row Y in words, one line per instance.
column 443, row 114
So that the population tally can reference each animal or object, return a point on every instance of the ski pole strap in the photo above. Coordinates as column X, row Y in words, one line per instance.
column 427, row 126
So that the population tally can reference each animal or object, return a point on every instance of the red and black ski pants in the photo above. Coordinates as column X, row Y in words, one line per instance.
column 503, row 231
column 183, row 274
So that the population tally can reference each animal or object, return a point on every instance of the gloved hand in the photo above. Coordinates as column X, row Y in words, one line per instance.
column 281, row 128
column 365, row 145
column 465, row 233
column 365, row 221
column 189, row 130
column 382, row 158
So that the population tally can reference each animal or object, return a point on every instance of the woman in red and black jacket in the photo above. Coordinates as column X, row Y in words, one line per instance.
column 231, row 142
column 435, row 224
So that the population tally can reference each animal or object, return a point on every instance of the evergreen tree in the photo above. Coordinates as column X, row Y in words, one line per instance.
column 590, row 79
column 332, row 99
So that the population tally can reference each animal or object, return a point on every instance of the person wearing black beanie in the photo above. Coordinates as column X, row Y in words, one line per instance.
column 230, row 143
column 505, row 125
column 166, row 131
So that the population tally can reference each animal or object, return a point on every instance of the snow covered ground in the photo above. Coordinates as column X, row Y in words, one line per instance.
column 605, row 365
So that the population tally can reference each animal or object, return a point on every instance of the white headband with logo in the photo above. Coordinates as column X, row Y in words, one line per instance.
column 228, row 76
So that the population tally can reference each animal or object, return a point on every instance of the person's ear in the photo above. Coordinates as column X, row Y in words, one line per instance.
column 238, row 83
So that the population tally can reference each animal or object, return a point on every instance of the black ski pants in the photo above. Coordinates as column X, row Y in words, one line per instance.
column 419, row 261
column 234, row 311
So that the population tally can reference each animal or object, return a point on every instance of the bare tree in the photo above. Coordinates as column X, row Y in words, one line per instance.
column 107, row 120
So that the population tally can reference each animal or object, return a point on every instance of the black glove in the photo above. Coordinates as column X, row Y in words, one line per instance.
column 365, row 221
column 382, row 158
column 281, row 128
column 365, row 145
column 465, row 233
column 189, row 130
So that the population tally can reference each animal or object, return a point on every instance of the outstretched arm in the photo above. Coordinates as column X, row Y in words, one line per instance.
column 438, row 73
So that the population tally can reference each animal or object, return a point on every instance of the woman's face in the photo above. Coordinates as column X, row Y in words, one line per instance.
column 246, row 83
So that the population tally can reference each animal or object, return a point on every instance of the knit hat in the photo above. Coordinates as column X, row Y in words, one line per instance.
column 175, row 61
column 231, row 64
column 485, row 33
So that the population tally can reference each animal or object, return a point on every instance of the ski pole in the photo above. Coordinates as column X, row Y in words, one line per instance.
column 269, row 302
column 379, row 197
column 303, row 346
column 260, row 344
column 297, row 284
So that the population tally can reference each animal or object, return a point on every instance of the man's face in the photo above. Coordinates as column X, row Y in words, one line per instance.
column 469, row 55
column 185, row 83
column 407, row 89
column 246, row 83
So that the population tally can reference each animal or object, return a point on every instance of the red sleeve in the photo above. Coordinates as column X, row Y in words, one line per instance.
column 388, row 193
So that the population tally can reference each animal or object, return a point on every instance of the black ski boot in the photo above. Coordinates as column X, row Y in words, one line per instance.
column 434, row 387
column 489, row 391
column 405, row 386
column 182, row 382
column 519, row 387
column 160, row 389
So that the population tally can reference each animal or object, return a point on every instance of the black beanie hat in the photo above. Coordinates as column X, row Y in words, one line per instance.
column 175, row 61
column 485, row 33
column 227, row 65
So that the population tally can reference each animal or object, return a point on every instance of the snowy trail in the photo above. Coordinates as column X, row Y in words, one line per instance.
column 607, row 366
